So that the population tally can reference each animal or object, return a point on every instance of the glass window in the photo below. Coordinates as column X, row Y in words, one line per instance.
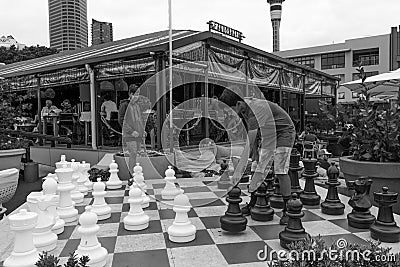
column 354, row 95
column 332, row 60
column 308, row 61
column 341, row 95
column 356, row 76
column 366, row 57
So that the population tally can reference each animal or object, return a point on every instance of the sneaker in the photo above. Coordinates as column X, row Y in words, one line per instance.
column 246, row 209
column 284, row 219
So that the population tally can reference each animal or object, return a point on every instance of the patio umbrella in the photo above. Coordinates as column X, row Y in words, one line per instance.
column 385, row 84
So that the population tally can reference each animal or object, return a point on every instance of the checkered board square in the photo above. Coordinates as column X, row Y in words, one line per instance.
column 212, row 246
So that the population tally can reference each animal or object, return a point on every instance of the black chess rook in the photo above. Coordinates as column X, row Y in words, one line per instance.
column 294, row 168
column 385, row 228
column 309, row 196
column 262, row 211
column 233, row 220
column 332, row 204
column 360, row 217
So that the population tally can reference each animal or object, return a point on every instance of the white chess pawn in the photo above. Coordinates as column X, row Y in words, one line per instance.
column 63, row 162
column 88, row 183
column 50, row 188
column 182, row 230
column 83, row 178
column 139, row 183
column 90, row 245
column 24, row 253
column 66, row 209
column 170, row 191
column 114, row 182
column 44, row 205
column 137, row 169
column 76, row 195
column 100, row 206
column 136, row 218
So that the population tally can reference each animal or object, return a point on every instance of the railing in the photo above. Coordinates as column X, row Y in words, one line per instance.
column 40, row 137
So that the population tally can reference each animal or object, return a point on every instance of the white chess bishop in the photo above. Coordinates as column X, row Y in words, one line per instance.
column 24, row 253
column 170, row 191
column 141, row 185
column 83, row 178
column 63, row 161
column 90, row 245
column 182, row 230
column 114, row 182
column 136, row 218
column 76, row 195
column 100, row 206
column 50, row 188
column 66, row 209
column 44, row 205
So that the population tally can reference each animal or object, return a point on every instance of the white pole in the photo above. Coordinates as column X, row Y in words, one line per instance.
column 171, row 138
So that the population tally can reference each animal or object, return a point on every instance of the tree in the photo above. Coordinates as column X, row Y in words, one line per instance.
column 12, row 54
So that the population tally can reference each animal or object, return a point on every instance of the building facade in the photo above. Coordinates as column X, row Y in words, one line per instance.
column 102, row 32
column 342, row 60
column 68, row 26
column 9, row 41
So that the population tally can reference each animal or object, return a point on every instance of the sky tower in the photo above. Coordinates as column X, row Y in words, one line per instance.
column 276, row 13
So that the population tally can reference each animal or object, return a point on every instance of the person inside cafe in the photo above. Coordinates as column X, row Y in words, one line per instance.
column 66, row 106
column 49, row 110
column 107, row 107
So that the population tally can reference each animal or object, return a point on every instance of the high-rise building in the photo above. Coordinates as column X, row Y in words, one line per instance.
column 102, row 32
column 68, row 24
column 276, row 14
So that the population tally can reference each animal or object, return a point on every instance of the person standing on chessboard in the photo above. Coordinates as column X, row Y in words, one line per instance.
column 277, row 136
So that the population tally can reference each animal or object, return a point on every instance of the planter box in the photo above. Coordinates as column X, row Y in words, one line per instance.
column 11, row 158
column 381, row 173
column 153, row 167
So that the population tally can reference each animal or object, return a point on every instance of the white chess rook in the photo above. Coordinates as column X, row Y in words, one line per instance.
column 114, row 182
column 76, row 195
column 170, row 191
column 90, row 245
column 63, row 162
column 83, row 178
column 66, row 209
column 136, row 218
column 139, row 183
column 182, row 230
column 44, row 205
column 100, row 206
column 24, row 253
column 50, row 188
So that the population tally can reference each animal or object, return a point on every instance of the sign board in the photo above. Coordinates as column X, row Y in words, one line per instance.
column 218, row 27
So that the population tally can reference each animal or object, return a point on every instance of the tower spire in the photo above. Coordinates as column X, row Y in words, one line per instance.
column 276, row 13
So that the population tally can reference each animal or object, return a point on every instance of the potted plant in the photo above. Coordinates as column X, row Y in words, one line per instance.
column 375, row 146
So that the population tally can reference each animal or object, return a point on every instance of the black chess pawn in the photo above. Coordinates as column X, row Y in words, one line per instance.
column 224, row 181
column 294, row 168
column 385, row 228
column 233, row 220
column 309, row 196
column 360, row 217
column 294, row 231
column 332, row 204
column 276, row 199
column 269, row 180
column 262, row 211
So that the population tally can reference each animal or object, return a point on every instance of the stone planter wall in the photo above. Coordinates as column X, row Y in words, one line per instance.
column 382, row 174
column 11, row 158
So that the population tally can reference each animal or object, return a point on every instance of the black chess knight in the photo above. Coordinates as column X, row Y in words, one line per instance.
column 360, row 217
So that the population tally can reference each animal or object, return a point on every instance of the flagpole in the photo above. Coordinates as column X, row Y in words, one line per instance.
column 171, row 138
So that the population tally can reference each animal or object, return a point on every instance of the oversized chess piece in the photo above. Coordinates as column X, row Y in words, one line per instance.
column 233, row 220
column 224, row 180
column 294, row 169
column 24, row 253
column 83, row 178
column 136, row 218
column 332, row 204
column 294, row 231
column 50, row 189
column 51, row 175
column 63, row 161
column 276, row 199
column 90, row 245
column 88, row 183
column 100, row 206
column 385, row 228
column 360, row 217
column 310, row 196
column 44, row 205
column 269, row 181
column 181, row 230
column 137, row 169
column 170, row 191
column 262, row 211
column 76, row 195
column 114, row 182
column 139, row 183
column 65, row 208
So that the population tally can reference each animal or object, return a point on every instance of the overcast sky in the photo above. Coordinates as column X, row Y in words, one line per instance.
column 304, row 22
